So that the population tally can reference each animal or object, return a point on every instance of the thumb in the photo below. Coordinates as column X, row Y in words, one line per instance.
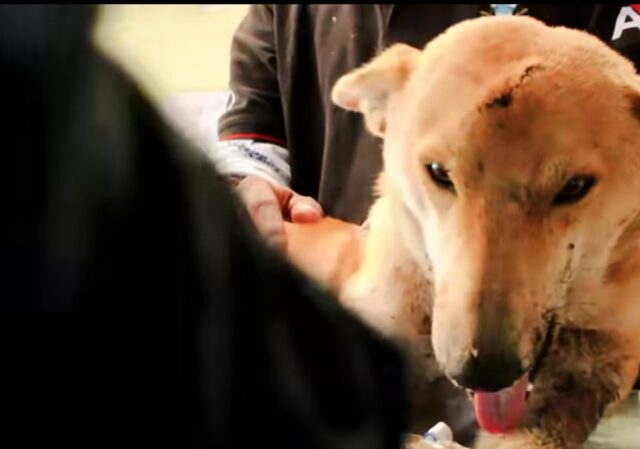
column 304, row 209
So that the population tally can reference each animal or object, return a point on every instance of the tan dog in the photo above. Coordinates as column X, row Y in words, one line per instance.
column 507, row 229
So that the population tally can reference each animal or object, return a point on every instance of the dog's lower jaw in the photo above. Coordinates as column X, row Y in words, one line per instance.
column 584, row 373
column 539, row 437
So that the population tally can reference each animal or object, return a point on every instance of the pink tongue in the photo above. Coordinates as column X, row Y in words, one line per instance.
column 501, row 412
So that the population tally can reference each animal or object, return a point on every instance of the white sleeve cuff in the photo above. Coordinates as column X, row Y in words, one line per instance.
column 244, row 157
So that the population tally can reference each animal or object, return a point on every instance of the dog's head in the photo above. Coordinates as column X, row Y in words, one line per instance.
column 512, row 155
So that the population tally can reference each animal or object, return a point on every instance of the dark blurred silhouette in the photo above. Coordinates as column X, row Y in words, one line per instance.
column 138, row 307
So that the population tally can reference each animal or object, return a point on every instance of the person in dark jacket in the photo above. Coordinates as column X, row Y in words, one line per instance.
column 138, row 307
column 297, row 154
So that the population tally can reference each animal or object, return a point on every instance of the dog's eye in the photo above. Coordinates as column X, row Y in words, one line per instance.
column 440, row 176
column 574, row 190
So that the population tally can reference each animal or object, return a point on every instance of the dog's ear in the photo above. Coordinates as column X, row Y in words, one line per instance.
column 368, row 89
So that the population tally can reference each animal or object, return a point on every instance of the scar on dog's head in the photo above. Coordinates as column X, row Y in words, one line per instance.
column 634, row 101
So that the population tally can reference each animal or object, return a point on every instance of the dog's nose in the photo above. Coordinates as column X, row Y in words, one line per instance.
column 490, row 372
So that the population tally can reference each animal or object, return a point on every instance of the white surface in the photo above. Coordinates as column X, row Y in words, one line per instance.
column 196, row 115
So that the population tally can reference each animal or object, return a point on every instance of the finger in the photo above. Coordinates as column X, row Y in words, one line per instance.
column 264, row 208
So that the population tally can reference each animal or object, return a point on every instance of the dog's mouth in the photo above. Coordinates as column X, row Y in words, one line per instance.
column 503, row 411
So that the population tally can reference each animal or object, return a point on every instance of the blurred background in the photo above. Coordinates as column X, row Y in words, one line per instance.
column 180, row 56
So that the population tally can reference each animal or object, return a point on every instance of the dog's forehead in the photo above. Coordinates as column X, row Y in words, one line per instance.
column 516, row 100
